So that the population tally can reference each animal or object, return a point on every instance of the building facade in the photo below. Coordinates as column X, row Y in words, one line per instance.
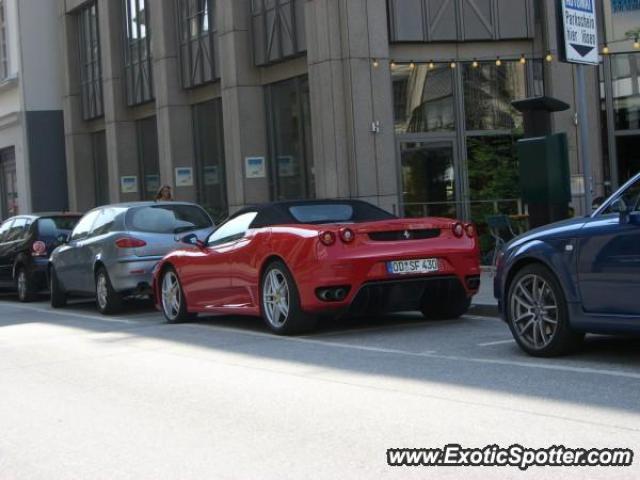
column 404, row 103
column 32, row 156
column 620, row 90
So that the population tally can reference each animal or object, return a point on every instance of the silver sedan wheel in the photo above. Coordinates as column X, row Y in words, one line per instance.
column 276, row 298
column 171, row 296
column 534, row 311
column 102, row 290
column 22, row 285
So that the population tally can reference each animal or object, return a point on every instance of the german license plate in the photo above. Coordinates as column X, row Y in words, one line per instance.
column 409, row 267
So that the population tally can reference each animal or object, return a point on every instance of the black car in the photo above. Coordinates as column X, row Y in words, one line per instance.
column 26, row 241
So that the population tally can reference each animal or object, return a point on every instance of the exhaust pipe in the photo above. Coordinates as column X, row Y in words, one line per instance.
column 333, row 294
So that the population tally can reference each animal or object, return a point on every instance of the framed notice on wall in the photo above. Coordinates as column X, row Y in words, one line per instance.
column 211, row 175
column 255, row 167
column 129, row 184
column 184, row 177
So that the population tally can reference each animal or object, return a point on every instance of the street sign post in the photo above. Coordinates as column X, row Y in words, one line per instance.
column 580, row 33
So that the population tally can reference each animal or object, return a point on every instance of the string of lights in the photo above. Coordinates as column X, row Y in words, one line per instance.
column 498, row 61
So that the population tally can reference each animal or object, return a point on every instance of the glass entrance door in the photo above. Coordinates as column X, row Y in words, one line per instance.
column 431, row 183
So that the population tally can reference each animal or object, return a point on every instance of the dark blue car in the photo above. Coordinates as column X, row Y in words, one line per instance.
column 556, row 283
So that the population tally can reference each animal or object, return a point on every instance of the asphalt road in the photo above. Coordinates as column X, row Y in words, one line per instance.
column 128, row 397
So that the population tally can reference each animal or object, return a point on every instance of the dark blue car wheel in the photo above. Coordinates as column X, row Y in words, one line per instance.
column 537, row 313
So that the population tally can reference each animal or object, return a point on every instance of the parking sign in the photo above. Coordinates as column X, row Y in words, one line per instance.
column 580, row 31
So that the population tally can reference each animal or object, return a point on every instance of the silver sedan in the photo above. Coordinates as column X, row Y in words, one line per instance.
column 113, row 249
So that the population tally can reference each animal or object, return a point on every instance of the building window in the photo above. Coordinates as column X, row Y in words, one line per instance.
column 290, row 141
column 100, row 167
column 198, row 42
column 423, row 98
column 90, row 68
column 278, row 30
column 8, row 183
column 488, row 93
column 137, row 53
column 622, row 133
column 4, row 48
column 457, row 145
column 210, row 157
column 148, row 157
column 625, row 72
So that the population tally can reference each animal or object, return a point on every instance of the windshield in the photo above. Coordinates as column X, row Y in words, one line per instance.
column 338, row 213
column 168, row 219
column 629, row 198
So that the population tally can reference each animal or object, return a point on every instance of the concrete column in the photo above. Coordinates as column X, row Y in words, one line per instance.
column 121, row 139
column 175, row 123
column 349, row 94
column 243, row 104
column 80, row 168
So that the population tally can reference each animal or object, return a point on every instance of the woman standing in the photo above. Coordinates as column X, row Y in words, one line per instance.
column 164, row 194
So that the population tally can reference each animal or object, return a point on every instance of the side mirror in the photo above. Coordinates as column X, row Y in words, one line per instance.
column 633, row 218
column 192, row 239
column 62, row 238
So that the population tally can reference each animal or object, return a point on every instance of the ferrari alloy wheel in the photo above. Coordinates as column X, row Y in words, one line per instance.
column 281, row 302
column 172, row 298
column 108, row 300
column 276, row 298
column 537, row 314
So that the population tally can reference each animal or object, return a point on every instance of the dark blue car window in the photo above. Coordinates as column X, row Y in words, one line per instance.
column 630, row 197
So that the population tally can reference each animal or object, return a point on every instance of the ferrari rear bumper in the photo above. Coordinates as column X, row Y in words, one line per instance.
column 358, row 283
column 402, row 294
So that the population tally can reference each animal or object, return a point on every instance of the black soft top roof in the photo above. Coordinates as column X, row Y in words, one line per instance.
column 279, row 213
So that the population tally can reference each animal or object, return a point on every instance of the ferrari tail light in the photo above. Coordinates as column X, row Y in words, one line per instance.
column 327, row 238
column 39, row 249
column 347, row 235
column 458, row 230
column 129, row 242
column 470, row 229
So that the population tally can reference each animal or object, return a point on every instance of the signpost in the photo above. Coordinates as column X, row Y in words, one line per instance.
column 580, row 32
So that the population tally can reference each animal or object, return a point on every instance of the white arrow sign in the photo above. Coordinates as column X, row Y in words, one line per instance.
column 580, row 31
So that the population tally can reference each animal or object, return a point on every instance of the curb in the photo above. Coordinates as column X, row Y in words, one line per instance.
column 484, row 310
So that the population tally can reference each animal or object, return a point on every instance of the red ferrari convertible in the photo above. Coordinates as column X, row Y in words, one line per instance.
column 290, row 262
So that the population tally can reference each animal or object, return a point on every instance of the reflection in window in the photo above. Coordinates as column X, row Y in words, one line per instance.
column 494, row 180
column 234, row 229
column 628, row 156
column 148, row 159
column 198, row 42
column 423, row 98
column 138, row 52
column 428, row 179
column 488, row 92
column 625, row 70
column 210, row 157
column 90, row 68
column 101, row 169
column 290, row 139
